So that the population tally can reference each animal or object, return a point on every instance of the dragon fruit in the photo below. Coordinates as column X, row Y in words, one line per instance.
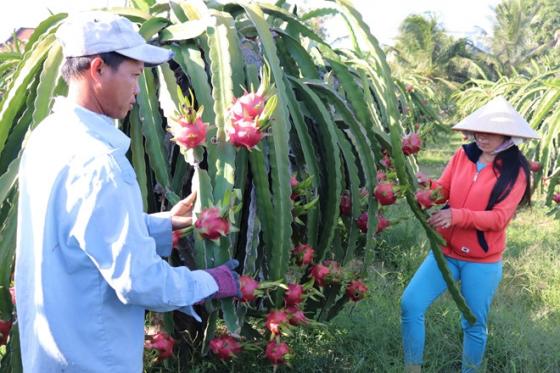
column 385, row 194
column 161, row 342
column 345, row 205
column 189, row 131
column 248, row 286
column 382, row 223
column 534, row 166
column 293, row 296
column 296, row 316
column 303, row 254
column 556, row 198
column 319, row 273
column 225, row 347
column 190, row 134
column 276, row 320
column 356, row 290
column 411, row 143
column 248, row 106
column 5, row 327
column 381, row 176
column 250, row 114
column 276, row 352
column 211, row 224
column 424, row 198
column 362, row 222
column 335, row 272
column 386, row 161
column 245, row 133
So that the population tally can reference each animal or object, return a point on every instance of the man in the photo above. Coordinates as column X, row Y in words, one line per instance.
column 88, row 259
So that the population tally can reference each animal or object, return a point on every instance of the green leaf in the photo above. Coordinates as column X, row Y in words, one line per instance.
column 143, row 5
column 47, row 83
column 8, row 180
column 14, row 99
column 138, row 154
column 152, row 26
column 8, row 231
column 153, row 132
column 184, row 31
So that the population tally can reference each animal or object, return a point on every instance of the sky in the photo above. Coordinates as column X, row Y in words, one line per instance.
column 459, row 17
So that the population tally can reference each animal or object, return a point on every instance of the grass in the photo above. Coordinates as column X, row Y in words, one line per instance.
column 524, row 330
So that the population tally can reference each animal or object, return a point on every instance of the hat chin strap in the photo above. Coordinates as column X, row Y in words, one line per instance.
column 505, row 145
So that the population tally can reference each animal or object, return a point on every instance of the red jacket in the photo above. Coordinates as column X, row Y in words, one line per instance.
column 468, row 192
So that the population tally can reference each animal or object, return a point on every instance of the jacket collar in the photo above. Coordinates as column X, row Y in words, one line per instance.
column 98, row 125
column 472, row 151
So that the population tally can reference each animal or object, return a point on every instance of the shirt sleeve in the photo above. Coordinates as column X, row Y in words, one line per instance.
column 108, row 224
column 496, row 219
column 159, row 228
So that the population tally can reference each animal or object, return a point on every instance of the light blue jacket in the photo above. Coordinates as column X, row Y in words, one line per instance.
column 88, row 258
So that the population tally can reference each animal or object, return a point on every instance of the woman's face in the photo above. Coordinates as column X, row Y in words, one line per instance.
column 488, row 142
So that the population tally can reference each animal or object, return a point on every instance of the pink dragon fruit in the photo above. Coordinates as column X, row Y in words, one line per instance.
column 303, row 254
column 296, row 316
column 424, row 198
column 362, row 222
column 382, row 223
column 534, row 166
column 249, row 106
column 189, row 134
column 411, row 144
column 345, row 205
column 276, row 320
column 245, row 133
column 319, row 273
column 161, row 342
column 211, row 224
column 276, row 352
column 225, row 347
column 356, row 290
column 293, row 295
column 248, row 286
column 385, row 194
column 335, row 272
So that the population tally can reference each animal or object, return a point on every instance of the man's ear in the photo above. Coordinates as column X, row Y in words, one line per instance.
column 97, row 68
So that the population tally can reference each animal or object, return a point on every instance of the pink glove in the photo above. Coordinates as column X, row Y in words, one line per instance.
column 227, row 280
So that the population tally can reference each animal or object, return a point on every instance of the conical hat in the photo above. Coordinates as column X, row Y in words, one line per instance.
column 497, row 116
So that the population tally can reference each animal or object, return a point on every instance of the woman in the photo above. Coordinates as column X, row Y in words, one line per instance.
column 484, row 183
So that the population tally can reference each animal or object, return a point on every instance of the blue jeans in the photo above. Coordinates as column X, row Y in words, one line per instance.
column 479, row 282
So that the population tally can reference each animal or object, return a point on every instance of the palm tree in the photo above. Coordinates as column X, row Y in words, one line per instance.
column 513, row 42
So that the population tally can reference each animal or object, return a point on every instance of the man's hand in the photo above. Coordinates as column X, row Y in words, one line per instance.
column 181, row 213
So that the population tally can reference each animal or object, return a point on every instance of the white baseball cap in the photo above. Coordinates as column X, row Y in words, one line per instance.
column 499, row 117
column 94, row 32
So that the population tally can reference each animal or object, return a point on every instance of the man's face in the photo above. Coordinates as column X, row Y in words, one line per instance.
column 119, row 88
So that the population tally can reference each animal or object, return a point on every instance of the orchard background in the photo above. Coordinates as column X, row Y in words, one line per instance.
column 311, row 163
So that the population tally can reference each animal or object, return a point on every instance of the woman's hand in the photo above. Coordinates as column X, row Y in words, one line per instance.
column 181, row 213
column 441, row 219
